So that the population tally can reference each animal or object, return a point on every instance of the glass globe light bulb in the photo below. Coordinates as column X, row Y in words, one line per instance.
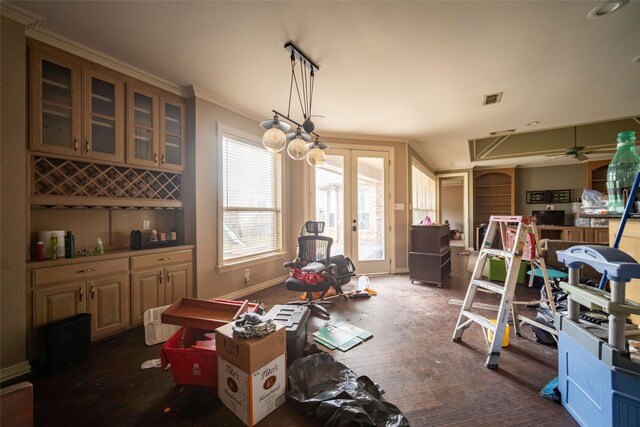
column 297, row 149
column 316, row 157
column 274, row 140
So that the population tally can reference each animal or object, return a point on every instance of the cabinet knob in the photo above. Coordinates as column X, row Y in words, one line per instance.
column 165, row 258
column 168, row 276
column 163, row 159
column 87, row 146
column 88, row 270
column 155, row 158
column 75, row 144
column 93, row 291
column 81, row 293
column 161, row 278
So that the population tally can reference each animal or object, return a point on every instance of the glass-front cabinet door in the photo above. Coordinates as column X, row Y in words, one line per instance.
column 172, row 133
column 103, row 117
column 55, row 104
column 142, row 127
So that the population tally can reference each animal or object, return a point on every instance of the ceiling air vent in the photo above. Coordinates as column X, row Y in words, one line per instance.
column 502, row 132
column 492, row 98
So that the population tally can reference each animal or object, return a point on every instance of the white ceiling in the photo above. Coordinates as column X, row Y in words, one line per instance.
column 412, row 70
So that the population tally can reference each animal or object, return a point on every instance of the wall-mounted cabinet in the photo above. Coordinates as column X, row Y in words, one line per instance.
column 77, row 108
column 156, row 129
column 494, row 193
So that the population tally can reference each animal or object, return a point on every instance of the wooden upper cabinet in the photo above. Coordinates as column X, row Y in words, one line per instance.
column 103, row 116
column 156, row 128
column 77, row 108
column 173, row 139
column 142, row 126
column 55, row 88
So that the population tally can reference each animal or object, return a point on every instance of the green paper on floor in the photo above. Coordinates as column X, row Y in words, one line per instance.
column 342, row 336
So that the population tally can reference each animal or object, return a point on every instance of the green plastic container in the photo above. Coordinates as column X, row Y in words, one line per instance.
column 497, row 270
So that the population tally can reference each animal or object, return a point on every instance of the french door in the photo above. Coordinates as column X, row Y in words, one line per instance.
column 350, row 193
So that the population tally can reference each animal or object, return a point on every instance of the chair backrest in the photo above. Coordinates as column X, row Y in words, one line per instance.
column 315, row 248
column 312, row 227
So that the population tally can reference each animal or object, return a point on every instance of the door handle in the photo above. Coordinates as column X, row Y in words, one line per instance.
column 354, row 228
column 87, row 146
column 81, row 292
column 161, row 278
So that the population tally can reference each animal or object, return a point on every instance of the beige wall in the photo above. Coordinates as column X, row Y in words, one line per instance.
column 453, row 206
column 210, row 281
column 13, row 211
column 565, row 177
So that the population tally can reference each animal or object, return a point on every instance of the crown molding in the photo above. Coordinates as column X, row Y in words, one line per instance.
column 198, row 92
column 33, row 28
column 418, row 149
column 29, row 19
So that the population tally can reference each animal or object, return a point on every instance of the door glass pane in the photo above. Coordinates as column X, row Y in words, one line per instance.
column 371, row 208
column 56, row 126
column 56, row 84
column 102, row 97
column 330, row 200
column 173, row 134
column 103, row 136
column 143, row 131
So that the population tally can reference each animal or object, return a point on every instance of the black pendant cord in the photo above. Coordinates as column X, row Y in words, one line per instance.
column 313, row 79
column 291, row 84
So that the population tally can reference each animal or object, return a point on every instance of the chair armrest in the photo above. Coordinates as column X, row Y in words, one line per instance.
column 289, row 264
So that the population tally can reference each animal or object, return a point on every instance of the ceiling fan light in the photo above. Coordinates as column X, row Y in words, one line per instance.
column 274, row 140
column 297, row 149
column 316, row 157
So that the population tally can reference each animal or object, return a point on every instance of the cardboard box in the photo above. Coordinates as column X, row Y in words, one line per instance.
column 252, row 373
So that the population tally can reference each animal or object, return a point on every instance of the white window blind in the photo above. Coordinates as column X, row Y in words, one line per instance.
column 250, row 199
column 423, row 194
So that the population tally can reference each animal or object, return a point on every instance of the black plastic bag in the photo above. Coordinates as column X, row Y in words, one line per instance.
column 319, row 386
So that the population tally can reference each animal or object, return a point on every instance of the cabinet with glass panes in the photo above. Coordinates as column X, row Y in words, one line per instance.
column 77, row 108
column 156, row 128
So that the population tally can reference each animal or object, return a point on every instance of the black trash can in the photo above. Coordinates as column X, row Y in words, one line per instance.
column 64, row 343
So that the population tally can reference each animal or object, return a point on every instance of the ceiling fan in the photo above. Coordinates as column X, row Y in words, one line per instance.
column 579, row 152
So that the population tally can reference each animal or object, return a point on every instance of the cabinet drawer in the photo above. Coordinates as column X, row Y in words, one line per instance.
column 43, row 276
column 156, row 260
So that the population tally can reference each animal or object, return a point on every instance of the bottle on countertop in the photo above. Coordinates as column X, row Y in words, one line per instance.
column 69, row 245
column 53, row 246
column 622, row 171
column 99, row 246
column 40, row 251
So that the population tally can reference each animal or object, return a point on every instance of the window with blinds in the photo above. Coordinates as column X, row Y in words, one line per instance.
column 423, row 195
column 251, row 209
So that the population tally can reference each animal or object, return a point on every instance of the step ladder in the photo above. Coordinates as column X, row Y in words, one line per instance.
column 513, row 250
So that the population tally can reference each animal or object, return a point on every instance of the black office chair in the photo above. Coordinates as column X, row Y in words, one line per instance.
column 313, row 248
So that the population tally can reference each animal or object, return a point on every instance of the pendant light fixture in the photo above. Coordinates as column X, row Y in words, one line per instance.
column 275, row 139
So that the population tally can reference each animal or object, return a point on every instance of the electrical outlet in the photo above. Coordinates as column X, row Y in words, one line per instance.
column 550, row 207
column 247, row 275
column 145, row 224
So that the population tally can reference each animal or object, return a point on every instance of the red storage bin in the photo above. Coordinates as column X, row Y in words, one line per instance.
column 193, row 357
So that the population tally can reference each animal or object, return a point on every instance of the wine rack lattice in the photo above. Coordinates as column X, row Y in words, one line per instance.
column 71, row 179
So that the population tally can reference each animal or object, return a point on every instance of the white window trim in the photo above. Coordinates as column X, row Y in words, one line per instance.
column 235, row 264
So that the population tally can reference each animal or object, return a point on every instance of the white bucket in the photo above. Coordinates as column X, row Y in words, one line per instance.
column 363, row 282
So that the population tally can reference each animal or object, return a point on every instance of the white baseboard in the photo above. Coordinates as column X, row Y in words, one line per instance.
column 15, row 371
column 246, row 291
column 401, row 270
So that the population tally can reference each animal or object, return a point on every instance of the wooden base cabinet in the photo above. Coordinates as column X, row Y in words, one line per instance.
column 170, row 280
column 105, row 298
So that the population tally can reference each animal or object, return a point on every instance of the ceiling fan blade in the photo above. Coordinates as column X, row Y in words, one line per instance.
column 581, row 157
column 603, row 151
column 555, row 155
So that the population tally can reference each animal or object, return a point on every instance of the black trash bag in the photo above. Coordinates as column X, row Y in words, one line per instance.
column 319, row 386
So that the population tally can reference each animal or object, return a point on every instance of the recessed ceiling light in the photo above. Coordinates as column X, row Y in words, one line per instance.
column 606, row 8
column 536, row 122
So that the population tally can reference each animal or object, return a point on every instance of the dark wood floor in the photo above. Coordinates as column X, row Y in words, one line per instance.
column 411, row 356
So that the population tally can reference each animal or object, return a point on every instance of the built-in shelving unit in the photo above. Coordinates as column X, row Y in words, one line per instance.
column 494, row 193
